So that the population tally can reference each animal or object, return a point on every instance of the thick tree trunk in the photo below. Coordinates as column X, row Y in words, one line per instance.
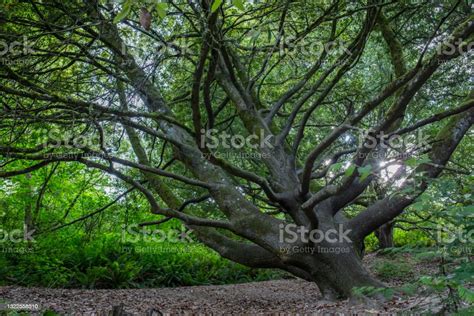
column 338, row 275
column 336, row 267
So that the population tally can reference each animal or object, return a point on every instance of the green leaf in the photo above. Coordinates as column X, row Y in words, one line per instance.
column 239, row 4
column 414, row 162
column 350, row 170
column 466, row 294
column 364, row 172
column 215, row 5
column 126, row 8
column 161, row 9
column 336, row 166
column 411, row 162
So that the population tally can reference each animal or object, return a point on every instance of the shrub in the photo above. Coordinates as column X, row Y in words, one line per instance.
column 105, row 262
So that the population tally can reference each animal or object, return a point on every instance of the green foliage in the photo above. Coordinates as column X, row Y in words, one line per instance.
column 414, row 161
column 215, row 5
column 389, row 269
column 349, row 171
column 413, row 238
column 106, row 263
column 364, row 172
column 126, row 8
column 239, row 4
column 161, row 9
column 371, row 243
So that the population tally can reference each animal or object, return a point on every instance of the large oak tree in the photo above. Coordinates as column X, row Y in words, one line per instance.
column 303, row 92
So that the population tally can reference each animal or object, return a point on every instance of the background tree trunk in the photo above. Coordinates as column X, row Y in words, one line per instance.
column 385, row 235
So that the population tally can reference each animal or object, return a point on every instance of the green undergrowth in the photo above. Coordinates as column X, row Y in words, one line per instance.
column 62, row 261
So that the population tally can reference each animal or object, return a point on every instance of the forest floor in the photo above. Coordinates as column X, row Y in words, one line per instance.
column 264, row 298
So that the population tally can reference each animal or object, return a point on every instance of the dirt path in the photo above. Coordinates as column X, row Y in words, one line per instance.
column 270, row 297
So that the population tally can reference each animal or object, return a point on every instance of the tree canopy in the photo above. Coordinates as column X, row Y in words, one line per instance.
column 242, row 118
